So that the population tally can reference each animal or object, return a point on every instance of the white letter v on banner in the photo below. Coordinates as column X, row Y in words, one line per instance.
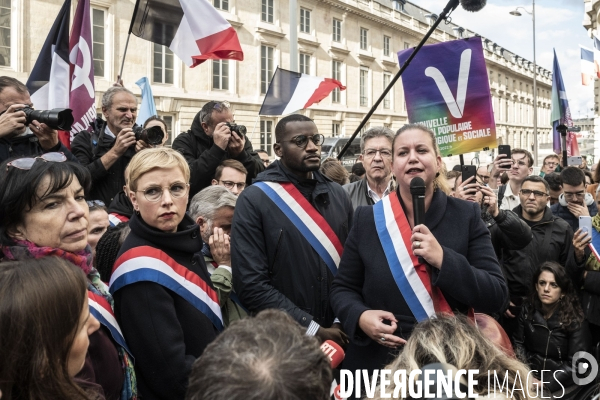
column 457, row 106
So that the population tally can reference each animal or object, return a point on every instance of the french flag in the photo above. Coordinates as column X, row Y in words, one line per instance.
column 587, row 66
column 292, row 91
column 193, row 29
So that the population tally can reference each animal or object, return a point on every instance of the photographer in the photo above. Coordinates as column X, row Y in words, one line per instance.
column 17, row 139
column 108, row 146
column 211, row 141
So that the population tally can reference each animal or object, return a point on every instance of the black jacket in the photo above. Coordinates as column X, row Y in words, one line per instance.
column 204, row 158
column 590, row 297
column 508, row 231
column 105, row 183
column 563, row 212
column 469, row 277
column 165, row 333
column 552, row 241
column 121, row 205
column 274, row 266
column 546, row 345
column 29, row 146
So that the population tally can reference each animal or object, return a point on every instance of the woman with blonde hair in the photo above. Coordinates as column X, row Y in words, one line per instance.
column 164, row 299
column 457, row 342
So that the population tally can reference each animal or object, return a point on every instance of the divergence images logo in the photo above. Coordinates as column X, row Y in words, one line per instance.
column 584, row 364
column 456, row 106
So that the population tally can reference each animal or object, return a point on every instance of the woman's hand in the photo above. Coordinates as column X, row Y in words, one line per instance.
column 580, row 241
column 371, row 323
column 466, row 189
column 424, row 244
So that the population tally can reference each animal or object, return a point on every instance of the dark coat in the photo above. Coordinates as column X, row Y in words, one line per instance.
column 165, row 333
column 274, row 266
column 121, row 205
column 469, row 277
column 518, row 266
column 105, row 183
column 508, row 231
column 547, row 345
column 590, row 297
column 204, row 157
column 359, row 193
column 558, row 210
column 29, row 146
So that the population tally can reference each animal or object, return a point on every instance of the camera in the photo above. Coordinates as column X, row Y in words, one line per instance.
column 57, row 118
column 153, row 135
column 239, row 129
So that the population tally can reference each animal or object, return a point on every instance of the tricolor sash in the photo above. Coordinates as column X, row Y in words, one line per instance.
column 102, row 311
column 411, row 277
column 115, row 219
column 307, row 220
column 148, row 264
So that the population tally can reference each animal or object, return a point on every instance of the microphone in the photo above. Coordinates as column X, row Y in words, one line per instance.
column 417, row 190
column 472, row 5
column 334, row 352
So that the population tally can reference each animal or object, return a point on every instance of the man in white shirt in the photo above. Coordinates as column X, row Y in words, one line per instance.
column 519, row 167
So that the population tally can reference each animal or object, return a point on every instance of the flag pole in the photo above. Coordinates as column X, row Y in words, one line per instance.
column 254, row 127
column 451, row 6
column 135, row 9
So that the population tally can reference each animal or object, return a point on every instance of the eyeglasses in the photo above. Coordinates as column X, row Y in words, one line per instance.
column 155, row 193
column 551, row 164
column 536, row 193
column 266, row 161
column 302, row 140
column 579, row 195
column 229, row 185
column 95, row 203
column 27, row 162
column 370, row 153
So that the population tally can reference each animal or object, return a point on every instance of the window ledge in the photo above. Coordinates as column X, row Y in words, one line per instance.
column 389, row 61
column 308, row 40
column 337, row 47
column 366, row 56
column 269, row 29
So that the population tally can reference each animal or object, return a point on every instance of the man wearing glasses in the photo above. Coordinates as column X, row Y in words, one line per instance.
column 484, row 174
column 376, row 157
column 16, row 138
column 288, row 233
column 519, row 167
column 551, row 241
column 232, row 175
column 550, row 165
column 574, row 201
column 210, row 141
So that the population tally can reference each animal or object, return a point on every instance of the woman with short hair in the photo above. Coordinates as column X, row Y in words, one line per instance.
column 164, row 299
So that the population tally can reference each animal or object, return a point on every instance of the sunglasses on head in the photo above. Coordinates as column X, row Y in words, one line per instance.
column 26, row 163
column 95, row 203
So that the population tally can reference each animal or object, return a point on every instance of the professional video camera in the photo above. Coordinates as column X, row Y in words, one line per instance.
column 57, row 118
column 153, row 135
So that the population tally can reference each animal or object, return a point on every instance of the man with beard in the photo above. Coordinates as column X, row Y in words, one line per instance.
column 574, row 201
column 288, row 232
column 212, row 209
column 376, row 157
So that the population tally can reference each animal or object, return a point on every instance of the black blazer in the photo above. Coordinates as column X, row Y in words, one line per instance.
column 469, row 277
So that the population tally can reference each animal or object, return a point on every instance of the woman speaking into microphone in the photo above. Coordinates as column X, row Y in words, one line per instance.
column 382, row 289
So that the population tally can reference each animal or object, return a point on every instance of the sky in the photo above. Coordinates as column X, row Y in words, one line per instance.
column 558, row 25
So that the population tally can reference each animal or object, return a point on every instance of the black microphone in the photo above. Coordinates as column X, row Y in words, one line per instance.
column 472, row 5
column 417, row 190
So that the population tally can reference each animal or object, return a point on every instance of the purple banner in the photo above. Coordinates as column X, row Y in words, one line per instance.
column 82, row 99
column 446, row 88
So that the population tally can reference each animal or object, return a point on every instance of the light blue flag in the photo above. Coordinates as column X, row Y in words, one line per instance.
column 147, row 109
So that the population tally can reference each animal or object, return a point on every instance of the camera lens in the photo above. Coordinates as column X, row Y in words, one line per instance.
column 57, row 118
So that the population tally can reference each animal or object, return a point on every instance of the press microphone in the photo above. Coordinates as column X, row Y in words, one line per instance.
column 334, row 352
column 472, row 5
column 417, row 190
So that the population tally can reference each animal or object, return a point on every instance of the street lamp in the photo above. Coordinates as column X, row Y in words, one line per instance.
column 516, row 13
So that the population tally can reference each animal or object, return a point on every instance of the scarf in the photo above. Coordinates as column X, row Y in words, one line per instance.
column 592, row 263
column 23, row 249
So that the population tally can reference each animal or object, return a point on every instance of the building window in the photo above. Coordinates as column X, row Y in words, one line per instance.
column 266, row 14
column 336, row 129
column 221, row 4
column 387, row 99
column 169, row 120
column 304, row 20
column 266, row 136
column 406, row 45
column 220, row 74
column 163, row 64
column 363, row 38
column 364, row 87
column 5, row 25
column 304, row 64
column 98, row 41
column 386, row 46
column 336, row 35
column 266, row 67
column 398, row 5
column 336, row 73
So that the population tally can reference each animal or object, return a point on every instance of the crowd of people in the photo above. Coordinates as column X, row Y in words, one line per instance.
column 131, row 270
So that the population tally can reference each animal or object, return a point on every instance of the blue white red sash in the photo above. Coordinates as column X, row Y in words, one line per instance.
column 115, row 219
column 149, row 264
column 411, row 277
column 307, row 220
column 102, row 311
column 595, row 243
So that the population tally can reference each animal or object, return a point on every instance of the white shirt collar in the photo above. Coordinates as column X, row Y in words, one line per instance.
column 373, row 195
column 108, row 132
